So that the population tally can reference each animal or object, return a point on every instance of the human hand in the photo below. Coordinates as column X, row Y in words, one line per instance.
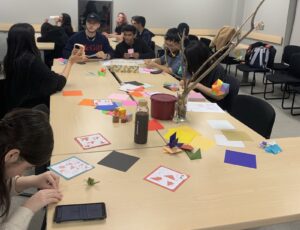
column 42, row 198
column 47, row 180
column 101, row 55
column 135, row 55
column 127, row 55
column 150, row 63
column 105, row 34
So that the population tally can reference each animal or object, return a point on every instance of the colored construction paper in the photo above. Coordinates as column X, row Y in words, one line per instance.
column 129, row 103
column 201, row 142
column 72, row 93
column 233, row 135
column 239, row 158
column 274, row 149
column 118, row 161
column 222, row 140
column 87, row 102
column 194, row 96
column 118, row 96
column 184, row 134
column 154, row 125
column 194, row 155
column 220, row 124
column 107, row 107
column 136, row 94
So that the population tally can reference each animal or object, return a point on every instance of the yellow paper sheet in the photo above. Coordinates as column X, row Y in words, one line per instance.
column 184, row 134
column 233, row 135
column 202, row 142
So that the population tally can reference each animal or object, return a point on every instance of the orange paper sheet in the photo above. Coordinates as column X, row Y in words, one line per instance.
column 72, row 93
column 87, row 102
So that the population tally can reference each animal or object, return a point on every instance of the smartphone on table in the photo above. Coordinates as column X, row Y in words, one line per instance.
column 75, row 212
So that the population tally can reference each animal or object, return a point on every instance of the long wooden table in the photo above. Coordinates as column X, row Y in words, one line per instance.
column 216, row 196
column 69, row 120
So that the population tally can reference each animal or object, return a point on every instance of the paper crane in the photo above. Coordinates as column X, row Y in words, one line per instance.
column 175, row 147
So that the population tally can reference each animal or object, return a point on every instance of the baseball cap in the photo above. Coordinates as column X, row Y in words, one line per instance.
column 93, row 16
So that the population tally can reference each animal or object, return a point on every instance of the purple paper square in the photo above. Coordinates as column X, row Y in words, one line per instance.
column 239, row 158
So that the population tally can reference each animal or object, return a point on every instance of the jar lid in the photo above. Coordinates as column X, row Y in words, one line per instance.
column 142, row 102
column 163, row 97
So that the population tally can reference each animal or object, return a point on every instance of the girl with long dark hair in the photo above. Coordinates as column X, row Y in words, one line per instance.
column 28, row 81
column 26, row 140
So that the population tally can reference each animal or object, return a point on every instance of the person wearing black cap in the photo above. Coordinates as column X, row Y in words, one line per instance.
column 96, row 44
column 132, row 47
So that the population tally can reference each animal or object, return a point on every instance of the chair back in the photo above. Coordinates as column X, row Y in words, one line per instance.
column 254, row 112
column 288, row 51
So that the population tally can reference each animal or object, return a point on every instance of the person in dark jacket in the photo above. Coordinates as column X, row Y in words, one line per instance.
column 139, row 22
column 28, row 81
column 96, row 44
column 132, row 47
column 54, row 34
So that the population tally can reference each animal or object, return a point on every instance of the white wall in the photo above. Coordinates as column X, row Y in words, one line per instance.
column 274, row 14
column 197, row 13
column 295, row 39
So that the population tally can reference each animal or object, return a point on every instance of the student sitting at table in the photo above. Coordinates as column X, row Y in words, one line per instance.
column 26, row 140
column 184, row 27
column 58, row 36
column 96, row 44
column 120, row 22
column 139, row 23
column 132, row 47
column 171, row 62
column 28, row 81
column 65, row 22
column 196, row 54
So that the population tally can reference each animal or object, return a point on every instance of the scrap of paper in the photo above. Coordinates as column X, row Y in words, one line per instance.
column 233, row 135
column 154, row 125
column 118, row 96
column 87, row 102
column 72, row 93
column 241, row 159
column 167, row 178
column 203, row 143
column 194, row 155
column 129, row 103
column 203, row 107
column 71, row 167
column 119, row 161
column 220, row 124
column 222, row 140
column 184, row 134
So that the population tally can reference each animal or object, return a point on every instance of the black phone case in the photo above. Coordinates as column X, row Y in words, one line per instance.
column 73, row 212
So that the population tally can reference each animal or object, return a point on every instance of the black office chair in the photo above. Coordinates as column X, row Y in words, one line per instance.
column 296, row 91
column 254, row 112
column 291, row 76
column 246, row 68
column 286, row 58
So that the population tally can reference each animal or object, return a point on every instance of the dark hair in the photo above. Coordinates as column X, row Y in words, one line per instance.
column 140, row 20
column 21, row 52
column 196, row 54
column 172, row 35
column 29, row 131
column 67, row 24
column 129, row 28
column 183, row 27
